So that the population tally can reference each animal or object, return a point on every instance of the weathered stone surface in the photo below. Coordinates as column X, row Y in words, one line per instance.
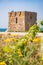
column 21, row 21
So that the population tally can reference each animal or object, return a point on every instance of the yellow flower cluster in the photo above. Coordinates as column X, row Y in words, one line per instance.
column 2, row 63
column 37, row 40
column 8, row 40
column 19, row 52
column 13, row 35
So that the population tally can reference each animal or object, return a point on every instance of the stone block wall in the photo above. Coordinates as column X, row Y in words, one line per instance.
column 21, row 21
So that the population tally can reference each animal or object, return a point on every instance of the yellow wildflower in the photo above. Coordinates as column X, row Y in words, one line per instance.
column 37, row 40
column 10, row 61
column 18, row 49
column 2, row 63
column 19, row 52
column 42, row 58
column 6, row 49
column 20, row 55
column 13, row 35
column 37, row 55
column 30, row 39
column 25, row 41
column 13, row 39
column 0, row 54
column 7, row 40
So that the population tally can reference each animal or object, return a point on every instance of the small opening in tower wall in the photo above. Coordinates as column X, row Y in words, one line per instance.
column 16, row 20
column 10, row 14
column 19, row 13
column 30, row 17
column 15, row 13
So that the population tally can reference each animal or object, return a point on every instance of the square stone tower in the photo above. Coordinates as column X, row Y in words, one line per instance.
column 21, row 21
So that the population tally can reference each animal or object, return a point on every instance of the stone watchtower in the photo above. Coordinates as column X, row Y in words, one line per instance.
column 21, row 21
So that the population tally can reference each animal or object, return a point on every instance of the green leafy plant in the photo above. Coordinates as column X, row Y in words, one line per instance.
column 41, row 23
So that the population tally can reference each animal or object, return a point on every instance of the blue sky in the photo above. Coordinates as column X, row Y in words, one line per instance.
column 19, row 5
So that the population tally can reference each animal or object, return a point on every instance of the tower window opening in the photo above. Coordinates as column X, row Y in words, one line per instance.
column 16, row 20
column 15, row 13
column 30, row 17
column 19, row 13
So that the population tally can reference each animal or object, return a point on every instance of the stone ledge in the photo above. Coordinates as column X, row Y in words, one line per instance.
column 18, row 33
